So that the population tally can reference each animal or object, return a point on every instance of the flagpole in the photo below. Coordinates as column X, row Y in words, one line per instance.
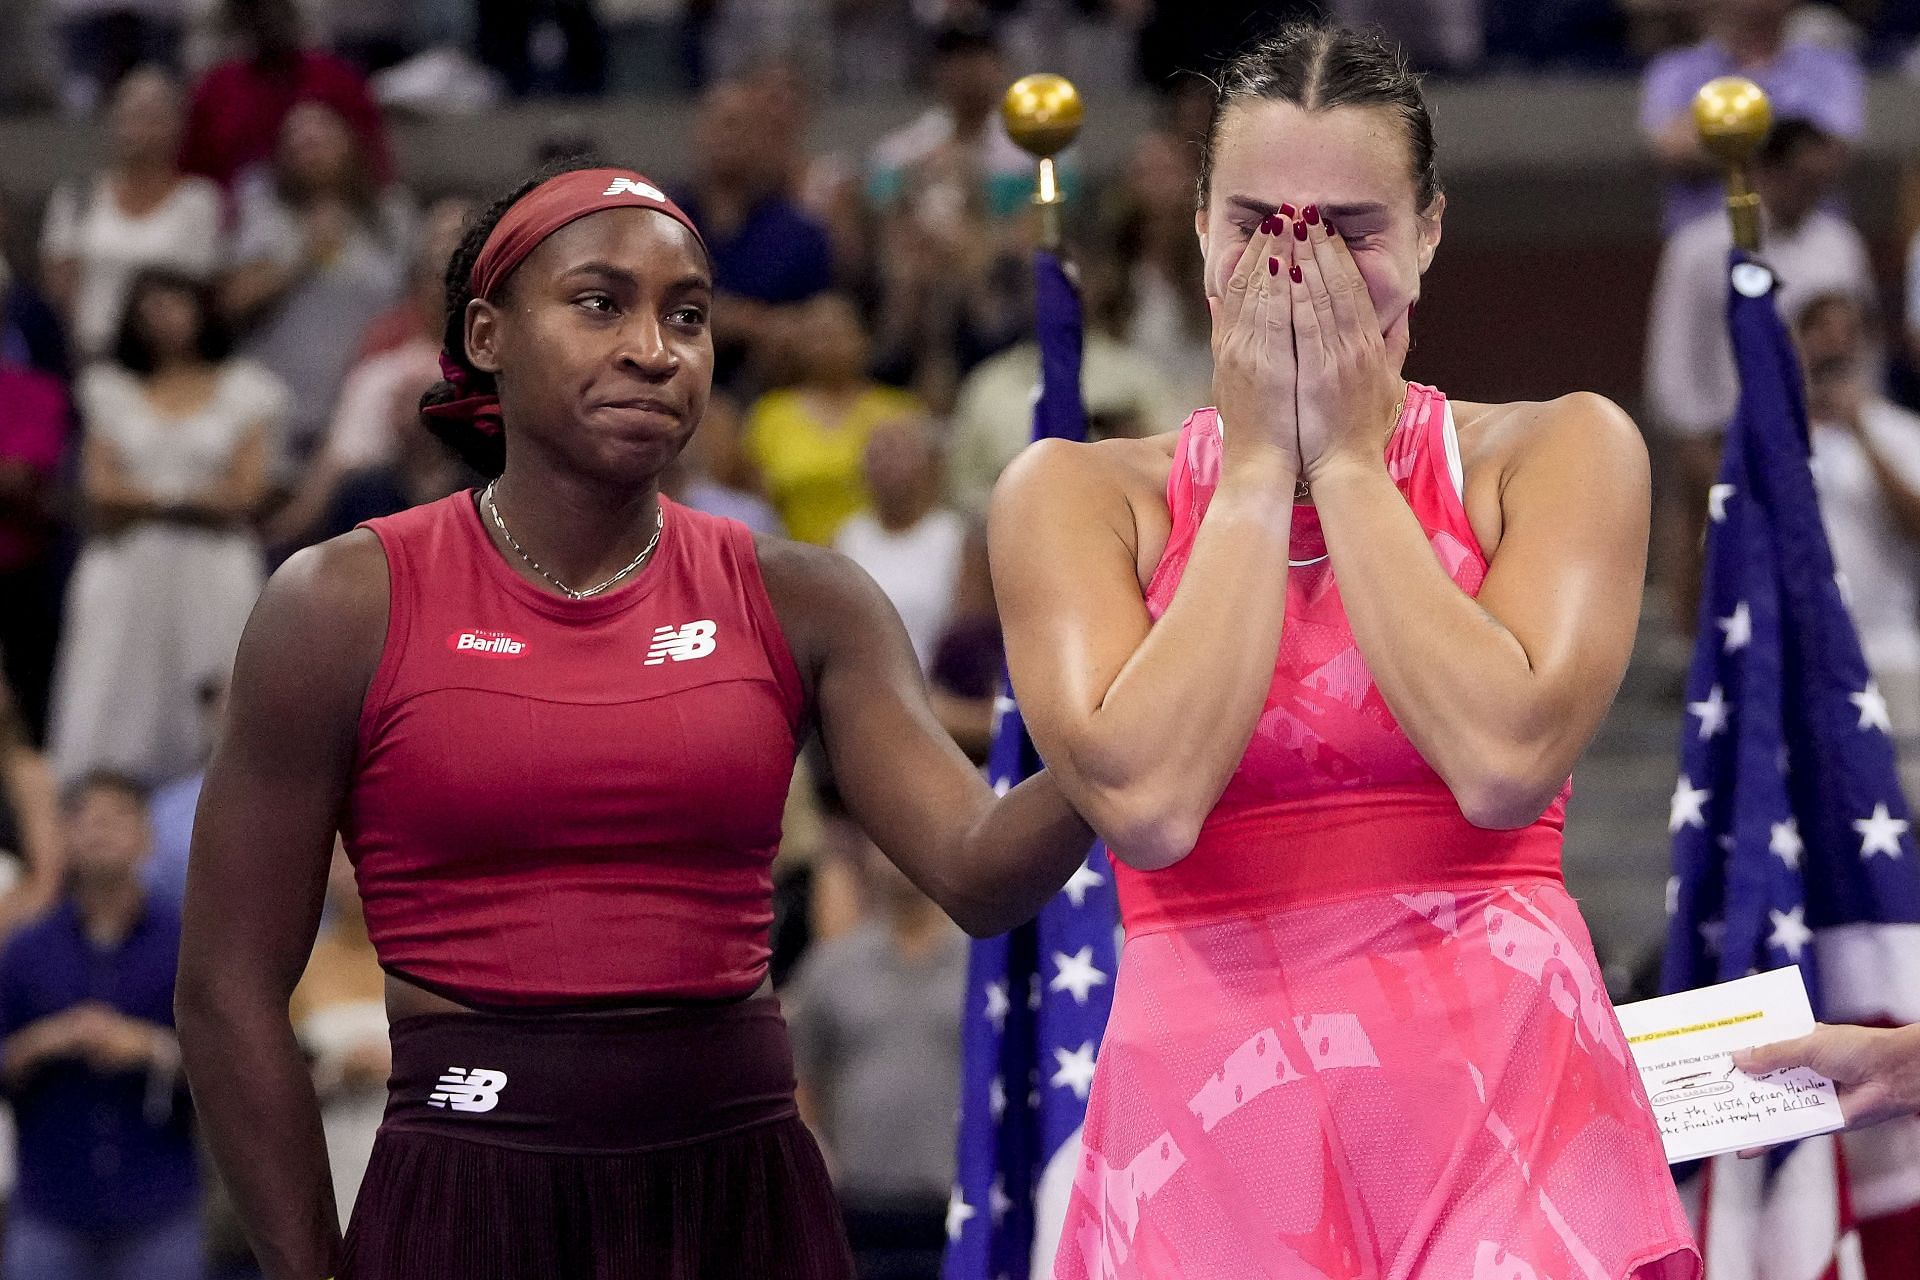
column 1733, row 116
column 1043, row 114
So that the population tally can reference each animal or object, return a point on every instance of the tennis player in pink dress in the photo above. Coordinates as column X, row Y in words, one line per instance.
column 1318, row 668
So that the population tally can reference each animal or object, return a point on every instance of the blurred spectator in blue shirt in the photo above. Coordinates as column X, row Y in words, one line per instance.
column 1812, row 82
column 108, row 1188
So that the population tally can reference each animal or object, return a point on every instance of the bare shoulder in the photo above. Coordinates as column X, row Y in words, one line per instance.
column 1049, row 469
column 324, row 612
column 1581, row 426
column 820, row 597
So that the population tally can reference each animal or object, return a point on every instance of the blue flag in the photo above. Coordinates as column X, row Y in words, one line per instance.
column 1038, row 996
column 1790, row 835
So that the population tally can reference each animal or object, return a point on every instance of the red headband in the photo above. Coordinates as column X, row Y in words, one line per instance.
column 531, row 219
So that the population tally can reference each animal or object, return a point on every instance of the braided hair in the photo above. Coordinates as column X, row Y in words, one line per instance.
column 486, row 454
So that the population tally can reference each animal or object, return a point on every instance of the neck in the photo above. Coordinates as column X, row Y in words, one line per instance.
column 146, row 169
column 580, row 531
column 910, row 510
column 969, row 124
column 1752, row 42
column 108, row 906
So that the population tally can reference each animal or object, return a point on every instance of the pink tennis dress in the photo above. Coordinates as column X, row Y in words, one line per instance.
column 1354, row 1035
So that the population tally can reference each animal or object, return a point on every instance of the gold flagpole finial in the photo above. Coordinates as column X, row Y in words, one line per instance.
column 1043, row 114
column 1733, row 116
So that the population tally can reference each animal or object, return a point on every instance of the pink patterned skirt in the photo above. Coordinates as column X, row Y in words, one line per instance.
column 1421, row 1086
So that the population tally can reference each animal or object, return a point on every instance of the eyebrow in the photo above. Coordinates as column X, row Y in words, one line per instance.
column 626, row 275
column 1357, row 209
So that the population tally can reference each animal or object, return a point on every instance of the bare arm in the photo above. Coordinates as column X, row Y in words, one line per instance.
column 36, row 805
column 1145, row 722
column 115, row 498
column 990, row 862
column 262, row 842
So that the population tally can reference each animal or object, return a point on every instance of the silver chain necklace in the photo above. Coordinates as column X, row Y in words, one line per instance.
column 659, row 523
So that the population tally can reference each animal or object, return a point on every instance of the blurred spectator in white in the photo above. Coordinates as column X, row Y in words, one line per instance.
column 1692, row 385
column 239, row 107
column 32, row 858
column 958, row 152
column 1442, row 34
column 807, row 440
column 1151, row 231
column 34, row 426
column 108, row 1185
column 174, row 469
column 339, row 1012
column 1866, row 463
column 1805, row 81
column 907, row 539
column 876, row 1037
column 103, row 40
column 171, row 810
column 379, row 400
column 1124, row 389
column 320, row 252
column 768, row 252
column 141, row 211
column 712, row 473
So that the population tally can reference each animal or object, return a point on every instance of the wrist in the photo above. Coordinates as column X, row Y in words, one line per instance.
column 1341, row 470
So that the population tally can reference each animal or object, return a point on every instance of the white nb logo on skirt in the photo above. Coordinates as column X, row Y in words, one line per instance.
column 469, row 1090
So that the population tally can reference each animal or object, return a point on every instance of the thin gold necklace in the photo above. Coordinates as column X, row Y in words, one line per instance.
column 659, row 523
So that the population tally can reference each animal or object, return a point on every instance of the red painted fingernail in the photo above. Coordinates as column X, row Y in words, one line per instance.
column 1295, row 273
column 1273, row 266
column 1311, row 214
column 1331, row 230
column 1300, row 231
column 1286, row 211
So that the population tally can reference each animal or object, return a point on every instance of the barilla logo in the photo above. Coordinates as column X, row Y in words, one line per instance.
column 628, row 187
column 487, row 644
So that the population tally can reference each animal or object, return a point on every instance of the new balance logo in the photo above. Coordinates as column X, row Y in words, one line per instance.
column 469, row 1090
column 694, row 640
column 487, row 644
column 628, row 187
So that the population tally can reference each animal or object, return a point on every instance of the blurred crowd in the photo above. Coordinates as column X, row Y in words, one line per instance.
column 216, row 356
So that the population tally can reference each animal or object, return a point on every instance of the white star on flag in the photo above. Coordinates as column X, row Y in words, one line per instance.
column 1688, row 806
column 1084, row 879
column 1786, row 843
column 1713, row 713
column 1717, row 501
column 1873, row 708
column 997, row 1005
column 997, row 1097
column 1714, row 934
column 1076, row 973
column 1003, row 786
column 998, row 1201
column 1790, row 932
column 1739, row 628
column 959, row 1212
column 1076, row 1069
column 1673, row 894
column 1880, row 833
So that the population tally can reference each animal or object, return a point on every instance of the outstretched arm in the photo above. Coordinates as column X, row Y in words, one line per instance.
column 261, row 846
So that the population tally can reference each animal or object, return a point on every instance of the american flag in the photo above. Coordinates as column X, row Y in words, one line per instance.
column 1037, row 997
column 1791, row 841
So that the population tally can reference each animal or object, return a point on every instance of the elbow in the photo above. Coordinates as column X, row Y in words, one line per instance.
column 1152, row 836
column 1497, row 799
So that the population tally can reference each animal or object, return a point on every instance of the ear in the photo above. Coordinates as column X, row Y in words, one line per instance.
column 1430, row 231
column 483, row 335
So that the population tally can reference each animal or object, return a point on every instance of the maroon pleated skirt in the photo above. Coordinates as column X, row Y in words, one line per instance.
column 657, row 1145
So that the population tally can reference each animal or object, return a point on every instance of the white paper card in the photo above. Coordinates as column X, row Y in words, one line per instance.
column 1684, row 1045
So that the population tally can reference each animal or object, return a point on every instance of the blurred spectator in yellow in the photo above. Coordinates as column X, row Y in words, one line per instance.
column 240, row 106
column 34, row 426
column 32, row 860
column 103, row 40
column 321, row 251
column 1866, row 463
column 140, row 212
column 807, row 440
column 1806, row 81
column 379, row 402
column 1691, row 382
column 768, row 253
column 907, row 539
column 713, row 475
column 339, row 1012
column 174, row 469
column 108, row 1186
column 1125, row 391
column 876, row 1037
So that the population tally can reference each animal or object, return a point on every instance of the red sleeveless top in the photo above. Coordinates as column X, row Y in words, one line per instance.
column 561, row 801
column 1331, row 799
